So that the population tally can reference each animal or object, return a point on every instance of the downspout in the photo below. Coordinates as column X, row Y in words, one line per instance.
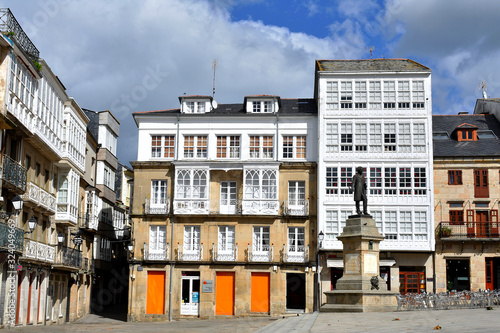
column 171, row 270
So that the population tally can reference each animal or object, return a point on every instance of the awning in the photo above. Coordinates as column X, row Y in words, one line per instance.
column 339, row 263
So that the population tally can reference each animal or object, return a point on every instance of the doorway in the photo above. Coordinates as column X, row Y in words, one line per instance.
column 482, row 224
column 227, row 197
column 224, row 293
column 336, row 274
column 295, row 291
column 492, row 273
column 190, row 293
column 260, row 294
column 457, row 274
column 411, row 279
column 155, row 293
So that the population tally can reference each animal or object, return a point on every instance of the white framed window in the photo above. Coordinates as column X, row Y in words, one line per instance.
column 262, row 107
column 405, row 181
column 332, row 180
column 390, row 225
column 296, row 239
column 296, row 192
column 195, row 146
column 191, row 238
column 346, row 95
column 405, row 225
column 389, row 95
column 404, row 139
column 332, row 95
column 261, row 146
column 228, row 146
column 261, row 184
column 261, row 239
column 390, row 181
column 361, row 137
column 419, row 137
column 158, row 192
column 162, row 146
column 194, row 107
column 403, row 94
column 226, row 241
column 420, row 181
column 345, row 180
column 418, row 95
column 157, row 238
column 332, row 139
column 420, row 226
column 191, row 184
column 346, row 141
column 331, row 225
column 375, row 95
column 375, row 181
column 377, row 216
column 390, row 137
column 294, row 146
column 375, row 137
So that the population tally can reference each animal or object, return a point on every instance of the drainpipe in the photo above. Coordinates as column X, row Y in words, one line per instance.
column 171, row 270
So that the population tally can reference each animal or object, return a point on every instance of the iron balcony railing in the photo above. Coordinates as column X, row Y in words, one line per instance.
column 40, row 197
column 14, row 173
column 10, row 27
column 39, row 251
column 14, row 242
column 225, row 253
column 296, row 207
column 155, row 208
column 294, row 253
column 469, row 230
column 161, row 254
column 67, row 256
column 262, row 253
column 189, row 254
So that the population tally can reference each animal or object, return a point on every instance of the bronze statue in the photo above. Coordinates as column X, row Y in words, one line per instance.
column 359, row 187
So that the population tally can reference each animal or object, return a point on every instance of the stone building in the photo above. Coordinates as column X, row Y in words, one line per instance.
column 224, row 214
column 376, row 114
column 466, row 187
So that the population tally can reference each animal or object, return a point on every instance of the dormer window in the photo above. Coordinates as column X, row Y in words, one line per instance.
column 466, row 135
column 262, row 106
column 196, row 104
column 467, row 132
column 195, row 107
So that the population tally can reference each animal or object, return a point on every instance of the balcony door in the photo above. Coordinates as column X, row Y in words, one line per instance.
column 227, row 197
column 226, row 243
column 482, row 224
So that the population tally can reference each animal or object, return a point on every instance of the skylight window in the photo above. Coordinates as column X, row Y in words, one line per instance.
column 485, row 135
column 440, row 136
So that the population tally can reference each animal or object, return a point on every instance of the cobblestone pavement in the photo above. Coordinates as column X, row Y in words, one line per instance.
column 466, row 320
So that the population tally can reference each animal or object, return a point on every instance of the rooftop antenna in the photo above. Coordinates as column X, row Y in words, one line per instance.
column 371, row 48
column 482, row 87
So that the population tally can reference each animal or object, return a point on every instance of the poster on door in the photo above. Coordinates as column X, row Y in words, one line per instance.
column 195, row 297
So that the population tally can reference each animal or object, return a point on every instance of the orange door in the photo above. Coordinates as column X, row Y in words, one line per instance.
column 156, row 293
column 260, row 292
column 224, row 293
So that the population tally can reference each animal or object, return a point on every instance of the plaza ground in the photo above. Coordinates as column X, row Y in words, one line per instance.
column 465, row 320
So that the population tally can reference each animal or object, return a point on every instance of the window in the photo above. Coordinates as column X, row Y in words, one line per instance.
column 331, row 180
column 227, row 144
column 346, row 137
column 109, row 177
column 158, row 192
column 331, row 225
column 345, row 180
column 389, row 95
column 226, row 238
column 191, row 184
column 332, row 139
column 481, row 183
column 420, row 181
column 390, row 137
column 296, row 193
column 375, row 137
column 391, row 225
column 361, row 132
column 454, row 177
column 466, row 135
column 420, row 226
column 419, row 138
column 191, row 238
column 376, row 181
column 403, row 95
column 375, row 96
column 261, row 184
column 390, row 181
column 195, row 146
column 345, row 95
column 296, row 239
column 294, row 147
column 261, row 239
column 195, row 107
column 404, row 138
column 486, row 135
column 262, row 106
column 332, row 95
column 405, row 225
column 456, row 216
column 360, row 95
column 405, row 181
column 162, row 146
column 157, row 238
column 418, row 95
column 261, row 146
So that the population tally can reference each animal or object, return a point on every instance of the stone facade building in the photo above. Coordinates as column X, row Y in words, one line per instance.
column 224, row 215
column 466, row 186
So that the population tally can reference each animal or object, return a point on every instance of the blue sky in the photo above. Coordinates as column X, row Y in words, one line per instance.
column 130, row 55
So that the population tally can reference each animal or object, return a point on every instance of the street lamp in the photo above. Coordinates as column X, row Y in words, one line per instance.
column 31, row 225
column 77, row 240
column 321, row 236
column 130, row 246
column 17, row 202
column 60, row 238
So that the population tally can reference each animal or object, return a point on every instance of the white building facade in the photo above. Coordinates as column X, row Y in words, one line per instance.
column 377, row 114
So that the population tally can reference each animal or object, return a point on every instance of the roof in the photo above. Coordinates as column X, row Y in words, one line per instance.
column 451, row 147
column 93, row 125
column 371, row 65
column 288, row 106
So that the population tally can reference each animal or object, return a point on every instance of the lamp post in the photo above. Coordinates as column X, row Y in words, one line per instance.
column 31, row 225
column 321, row 236
column 60, row 238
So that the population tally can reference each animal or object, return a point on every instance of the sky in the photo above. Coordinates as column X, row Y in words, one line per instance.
column 129, row 55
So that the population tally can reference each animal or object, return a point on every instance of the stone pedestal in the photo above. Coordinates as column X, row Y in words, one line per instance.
column 360, row 289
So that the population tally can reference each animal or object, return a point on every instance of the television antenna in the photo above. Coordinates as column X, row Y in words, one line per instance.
column 370, row 49
column 214, row 66
column 482, row 87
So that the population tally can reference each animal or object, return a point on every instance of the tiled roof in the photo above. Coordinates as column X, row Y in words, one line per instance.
column 452, row 148
column 370, row 65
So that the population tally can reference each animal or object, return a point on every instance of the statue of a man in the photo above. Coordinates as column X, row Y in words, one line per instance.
column 359, row 187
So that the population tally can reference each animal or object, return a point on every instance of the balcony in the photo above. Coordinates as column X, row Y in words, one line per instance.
column 17, row 240
column 260, row 207
column 225, row 207
column 103, row 254
column 156, row 254
column 151, row 208
column 188, row 254
column 39, row 197
column 262, row 253
column 191, row 206
column 469, row 231
column 225, row 253
column 13, row 174
column 295, row 254
column 296, row 208
column 90, row 222
column 68, row 257
column 39, row 251
column 8, row 23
